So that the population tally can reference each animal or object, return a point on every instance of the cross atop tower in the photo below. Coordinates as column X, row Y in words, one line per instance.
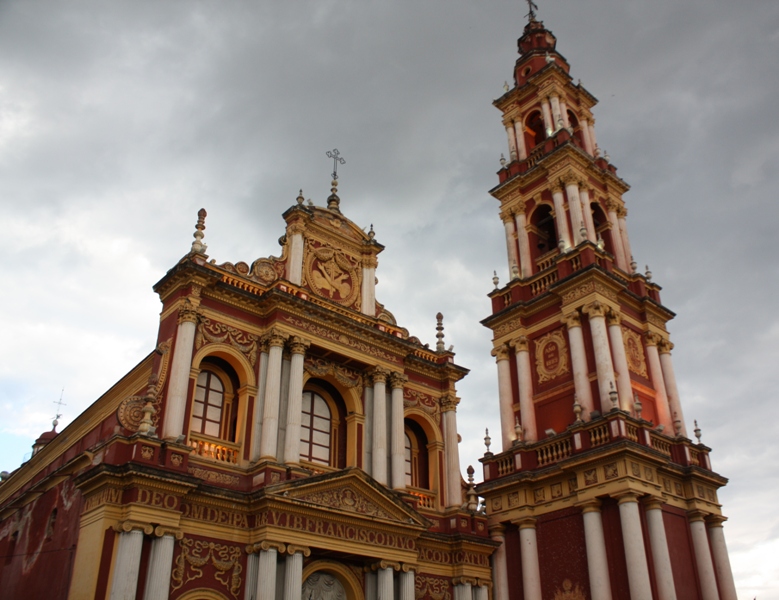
column 533, row 7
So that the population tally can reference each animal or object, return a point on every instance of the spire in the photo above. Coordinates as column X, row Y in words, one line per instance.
column 333, row 201
column 198, row 246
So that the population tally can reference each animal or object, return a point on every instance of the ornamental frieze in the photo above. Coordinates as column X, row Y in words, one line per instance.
column 346, row 498
column 341, row 338
column 213, row 332
column 415, row 399
column 427, row 587
column 507, row 327
column 332, row 274
column 588, row 288
column 130, row 411
column 221, row 560
column 634, row 351
column 551, row 356
column 347, row 377
column 213, row 476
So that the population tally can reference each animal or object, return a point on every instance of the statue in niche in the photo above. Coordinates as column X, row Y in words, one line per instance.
column 323, row 586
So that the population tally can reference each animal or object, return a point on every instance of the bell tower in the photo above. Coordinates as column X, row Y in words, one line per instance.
column 598, row 491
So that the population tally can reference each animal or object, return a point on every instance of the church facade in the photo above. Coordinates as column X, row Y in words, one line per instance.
column 287, row 439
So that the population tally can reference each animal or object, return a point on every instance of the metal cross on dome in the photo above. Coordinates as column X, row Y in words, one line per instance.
column 533, row 8
column 336, row 156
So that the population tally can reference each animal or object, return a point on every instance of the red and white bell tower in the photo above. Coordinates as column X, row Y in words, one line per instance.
column 598, row 491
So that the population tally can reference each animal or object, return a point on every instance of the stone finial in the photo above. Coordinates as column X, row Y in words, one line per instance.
column 473, row 498
column 648, row 274
column 583, row 231
column 577, row 409
column 439, row 345
column 637, row 406
column 518, row 431
column 495, row 279
column 487, row 440
column 198, row 246
column 677, row 424
column 333, row 201
column 606, row 157
column 514, row 271
column 613, row 396
column 300, row 199
column 601, row 243
column 697, row 431
column 633, row 264
column 371, row 233
column 502, row 160
column 505, row 86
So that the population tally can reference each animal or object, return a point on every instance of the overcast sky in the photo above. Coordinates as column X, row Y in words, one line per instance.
column 119, row 120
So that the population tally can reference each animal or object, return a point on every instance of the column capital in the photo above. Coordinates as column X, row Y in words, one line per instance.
column 379, row 375
column 369, row 261
column 625, row 497
column 384, row 564
column 557, row 187
column 589, row 506
column 611, row 205
column 408, row 568
column 651, row 338
column 161, row 531
column 266, row 545
column 397, row 380
column 652, row 503
column 188, row 312
column 297, row 345
column 296, row 227
column 696, row 515
column 293, row 549
column 520, row 207
column 463, row 580
column 595, row 309
column 497, row 530
column 665, row 346
column 526, row 523
column 572, row 319
column 520, row 344
column 449, row 402
column 275, row 337
column 500, row 353
column 613, row 317
column 715, row 520
column 130, row 525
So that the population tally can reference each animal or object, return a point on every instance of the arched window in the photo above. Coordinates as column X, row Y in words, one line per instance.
column 316, row 429
column 543, row 236
column 417, row 471
column 409, row 461
column 535, row 131
column 209, row 406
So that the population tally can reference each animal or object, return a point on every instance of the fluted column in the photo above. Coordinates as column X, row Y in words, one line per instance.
column 368, row 302
column 635, row 553
column 270, row 413
column 658, row 383
column 581, row 372
column 398, row 440
column 616, row 238
column 719, row 552
column 624, row 387
column 512, row 139
column 523, row 241
column 500, row 576
column 575, row 207
column 265, row 586
column 664, row 577
column 295, row 233
column 127, row 563
column 561, row 219
column 178, row 386
column 293, row 572
column 386, row 590
column 527, row 408
column 463, row 591
column 588, row 146
column 664, row 348
column 600, row 341
column 519, row 132
column 379, row 429
column 160, row 566
column 481, row 592
column 453, row 491
column 531, row 573
column 252, row 571
column 259, row 405
column 584, row 196
column 406, row 584
column 511, row 246
column 622, row 213
column 548, row 120
column 505, row 397
column 297, row 347
column 700, row 544
column 597, row 560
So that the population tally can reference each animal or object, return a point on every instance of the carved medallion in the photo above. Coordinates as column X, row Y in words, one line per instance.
column 551, row 356
column 634, row 350
column 569, row 592
column 610, row 471
column 332, row 274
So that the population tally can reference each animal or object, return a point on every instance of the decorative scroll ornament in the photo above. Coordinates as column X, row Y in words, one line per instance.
column 431, row 588
column 551, row 356
column 219, row 333
column 634, row 351
column 130, row 411
column 347, row 377
column 346, row 498
column 332, row 274
column 413, row 398
column 569, row 592
column 323, row 586
column 197, row 554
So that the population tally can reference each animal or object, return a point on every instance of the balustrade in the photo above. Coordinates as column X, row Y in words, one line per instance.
column 554, row 452
column 220, row 451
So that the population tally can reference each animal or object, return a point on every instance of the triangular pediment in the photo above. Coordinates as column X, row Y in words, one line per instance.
column 349, row 492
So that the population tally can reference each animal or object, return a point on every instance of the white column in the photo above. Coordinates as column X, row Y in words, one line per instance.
column 593, row 139
column 252, row 570
column 160, row 565
column 259, row 405
column 669, row 376
column 511, row 135
column 519, row 132
column 700, row 543
column 581, row 372
column 575, row 207
column 616, row 238
column 635, row 553
column 719, row 551
column 600, row 341
column 406, row 585
column 385, row 586
column 481, row 592
column 295, row 231
column 368, row 426
column 548, row 121
column 584, row 195
column 127, row 565
column 561, row 219
column 379, row 450
column 270, row 416
column 505, row 397
column 511, row 246
column 624, row 387
column 664, row 577
column 564, row 113
column 656, row 375
column 371, row 586
column 398, row 440
column 176, row 400
column 622, row 212
column 500, row 576
column 531, row 574
column 463, row 591
column 368, row 302
column 293, row 573
column 556, row 116
column 585, row 125
column 297, row 347
column 452, row 452
column 525, row 259
column 265, row 588
column 597, row 560
column 527, row 408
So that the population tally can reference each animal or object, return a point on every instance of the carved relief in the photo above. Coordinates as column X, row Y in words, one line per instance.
column 588, row 288
column 610, row 471
column 346, row 498
column 341, row 338
column 590, row 477
column 323, row 586
column 197, row 554
column 634, row 350
column 415, row 399
column 130, row 410
column 219, row 333
column 332, row 274
column 213, row 476
column 427, row 587
column 538, row 495
column 513, row 499
column 569, row 592
column 551, row 356
column 319, row 367
column 509, row 326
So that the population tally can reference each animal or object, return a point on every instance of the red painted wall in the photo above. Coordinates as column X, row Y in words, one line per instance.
column 615, row 549
column 677, row 532
column 562, row 551
column 514, row 563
